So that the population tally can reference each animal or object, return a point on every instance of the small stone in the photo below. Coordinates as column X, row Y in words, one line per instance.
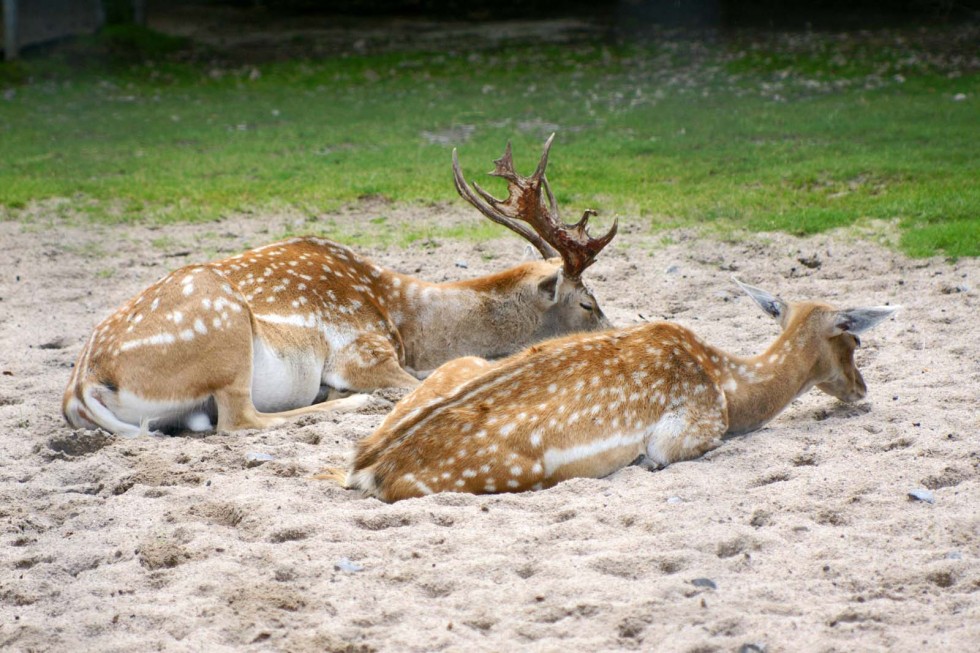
column 959, row 97
column 812, row 262
column 950, row 289
column 752, row 648
column 672, row 269
column 254, row 459
column 922, row 494
column 344, row 564
column 704, row 582
column 673, row 500
column 462, row 264
column 954, row 555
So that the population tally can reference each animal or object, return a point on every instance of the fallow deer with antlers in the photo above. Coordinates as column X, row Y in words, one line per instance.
column 590, row 404
column 253, row 340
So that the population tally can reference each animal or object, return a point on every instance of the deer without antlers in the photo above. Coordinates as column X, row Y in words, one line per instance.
column 253, row 340
column 590, row 404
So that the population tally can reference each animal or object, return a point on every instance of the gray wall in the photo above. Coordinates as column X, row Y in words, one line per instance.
column 39, row 21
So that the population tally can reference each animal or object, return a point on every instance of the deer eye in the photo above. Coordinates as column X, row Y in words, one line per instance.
column 587, row 307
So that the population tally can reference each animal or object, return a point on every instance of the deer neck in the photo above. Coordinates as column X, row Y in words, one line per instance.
column 758, row 388
column 440, row 322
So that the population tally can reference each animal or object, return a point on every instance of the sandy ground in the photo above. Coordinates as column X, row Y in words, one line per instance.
column 799, row 537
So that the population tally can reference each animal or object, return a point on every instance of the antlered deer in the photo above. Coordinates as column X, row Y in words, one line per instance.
column 253, row 340
column 589, row 404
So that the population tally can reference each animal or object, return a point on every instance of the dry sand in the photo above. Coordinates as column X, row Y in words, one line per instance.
column 804, row 529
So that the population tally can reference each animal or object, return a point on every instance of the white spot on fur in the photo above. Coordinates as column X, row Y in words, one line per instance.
column 296, row 319
column 158, row 339
column 422, row 487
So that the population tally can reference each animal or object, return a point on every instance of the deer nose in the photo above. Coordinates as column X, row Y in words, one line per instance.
column 858, row 392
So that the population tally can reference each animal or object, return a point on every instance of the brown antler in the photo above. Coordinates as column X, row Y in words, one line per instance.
column 525, row 202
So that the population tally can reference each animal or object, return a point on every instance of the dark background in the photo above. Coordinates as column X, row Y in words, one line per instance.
column 702, row 13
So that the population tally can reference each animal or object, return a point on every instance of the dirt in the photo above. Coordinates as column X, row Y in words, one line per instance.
column 801, row 536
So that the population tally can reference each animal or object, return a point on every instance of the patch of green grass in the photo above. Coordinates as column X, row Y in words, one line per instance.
column 796, row 136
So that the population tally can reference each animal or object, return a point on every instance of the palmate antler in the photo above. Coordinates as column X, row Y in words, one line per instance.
column 525, row 202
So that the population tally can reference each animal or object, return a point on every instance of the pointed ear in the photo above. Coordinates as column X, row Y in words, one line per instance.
column 772, row 305
column 530, row 254
column 858, row 320
column 548, row 287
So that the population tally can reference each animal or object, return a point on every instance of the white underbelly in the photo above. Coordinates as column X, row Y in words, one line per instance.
column 155, row 414
column 283, row 383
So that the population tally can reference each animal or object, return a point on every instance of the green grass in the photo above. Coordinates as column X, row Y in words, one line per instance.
column 796, row 137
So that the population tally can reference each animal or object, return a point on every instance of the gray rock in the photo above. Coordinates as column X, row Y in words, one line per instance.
column 675, row 500
column 922, row 494
column 704, row 582
column 753, row 647
column 254, row 459
column 345, row 564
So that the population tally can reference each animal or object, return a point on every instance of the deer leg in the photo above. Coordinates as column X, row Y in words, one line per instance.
column 369, row 363
column 686, row 434
column 644, row 461
column 236, row 410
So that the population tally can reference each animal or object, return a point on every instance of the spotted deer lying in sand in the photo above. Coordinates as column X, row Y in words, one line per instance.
column 590, row 404
column 253, row 340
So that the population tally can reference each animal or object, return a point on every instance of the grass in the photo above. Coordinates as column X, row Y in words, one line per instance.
column 801, row 134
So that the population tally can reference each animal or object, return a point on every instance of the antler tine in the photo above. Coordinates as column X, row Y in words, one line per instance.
column 504, row 166
column 491, row 206
column 543, row 163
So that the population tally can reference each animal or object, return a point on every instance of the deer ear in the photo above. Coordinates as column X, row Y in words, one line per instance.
column 859, row 320
column 530, row 254
column 772, row 305
column 548, row 287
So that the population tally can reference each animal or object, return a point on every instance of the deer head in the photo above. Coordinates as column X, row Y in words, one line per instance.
column 834, row 331
column 530, row 210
